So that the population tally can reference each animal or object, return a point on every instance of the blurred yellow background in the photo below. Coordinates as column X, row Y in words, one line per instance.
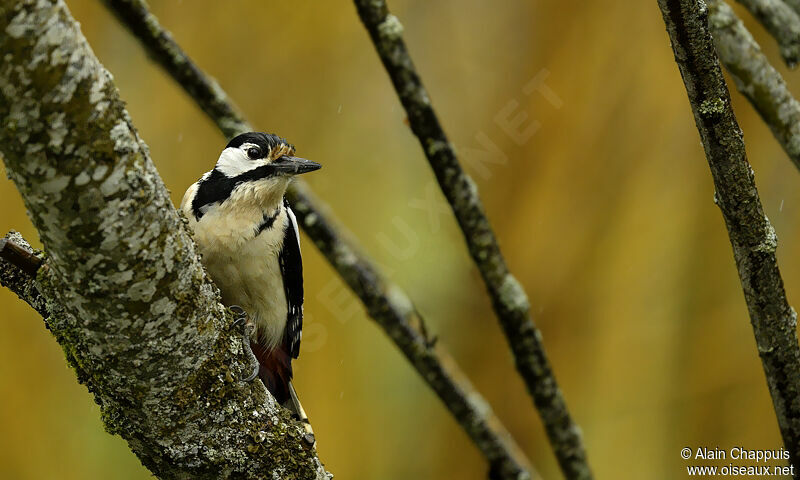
column 602, row 201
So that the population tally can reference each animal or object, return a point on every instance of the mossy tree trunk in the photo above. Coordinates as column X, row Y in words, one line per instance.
column 122, row 288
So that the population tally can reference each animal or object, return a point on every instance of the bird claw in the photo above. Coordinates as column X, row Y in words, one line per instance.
column 254, row 374
column 239, row 315
column 240, row 320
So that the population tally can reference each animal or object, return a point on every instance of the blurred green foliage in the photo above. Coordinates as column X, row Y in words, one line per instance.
column 605, row 214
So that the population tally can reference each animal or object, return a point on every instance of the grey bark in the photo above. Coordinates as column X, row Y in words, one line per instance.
column 782, row 22
column 508, row 298
column 795, row 4
column 752, row 237
column 122, row 289
column 387, row 304
column 755, row 78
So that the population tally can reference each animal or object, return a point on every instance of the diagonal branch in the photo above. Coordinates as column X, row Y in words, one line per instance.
column 391, row 308
column 162, row 48
column 508, row 298
column 795, row 4
column 123, row 290
column 755, row 78
column 782, row 22
column 385, row 303
column 752, row 237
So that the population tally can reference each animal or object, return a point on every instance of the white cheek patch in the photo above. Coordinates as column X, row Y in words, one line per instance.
column 234, row 161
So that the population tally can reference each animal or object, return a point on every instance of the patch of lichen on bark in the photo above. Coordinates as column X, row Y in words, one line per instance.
column 34, row 82
column 114, row 200
column 63, row 327
column 259, row 440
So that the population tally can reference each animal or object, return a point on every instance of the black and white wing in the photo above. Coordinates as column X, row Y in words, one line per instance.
column 292, row 271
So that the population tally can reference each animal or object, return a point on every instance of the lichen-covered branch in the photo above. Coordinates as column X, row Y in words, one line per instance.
column 508, row 298
column 795, row 4
column 122, row 289
column 782, row 22
column 755, row 78
column 387, row 304
column 752, row 237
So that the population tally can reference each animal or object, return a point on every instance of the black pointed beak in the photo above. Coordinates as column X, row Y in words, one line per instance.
column 294, row 165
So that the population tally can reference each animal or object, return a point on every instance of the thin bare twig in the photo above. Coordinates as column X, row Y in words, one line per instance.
column 508, row 298
column 401, row 324
column 162, row 48
column 751, row 235
column 394, row 312
column 782, row 22
column 755, row 78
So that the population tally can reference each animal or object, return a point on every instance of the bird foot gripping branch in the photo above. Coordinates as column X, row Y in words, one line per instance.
column 240, row 320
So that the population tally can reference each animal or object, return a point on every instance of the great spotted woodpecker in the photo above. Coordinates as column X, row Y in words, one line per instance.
column 250, row 245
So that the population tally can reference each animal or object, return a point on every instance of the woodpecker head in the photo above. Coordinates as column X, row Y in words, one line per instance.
column 253, row 167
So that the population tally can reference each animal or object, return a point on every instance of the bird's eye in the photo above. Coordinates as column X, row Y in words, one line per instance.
column 254, row 153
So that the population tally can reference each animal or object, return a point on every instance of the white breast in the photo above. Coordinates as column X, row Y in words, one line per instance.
column 244, row 265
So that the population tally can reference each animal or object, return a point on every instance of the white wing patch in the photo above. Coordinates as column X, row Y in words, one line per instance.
column 293, row 219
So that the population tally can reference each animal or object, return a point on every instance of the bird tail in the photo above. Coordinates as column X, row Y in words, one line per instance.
column 294, row 404
column 275, row 370
column 276, row 373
